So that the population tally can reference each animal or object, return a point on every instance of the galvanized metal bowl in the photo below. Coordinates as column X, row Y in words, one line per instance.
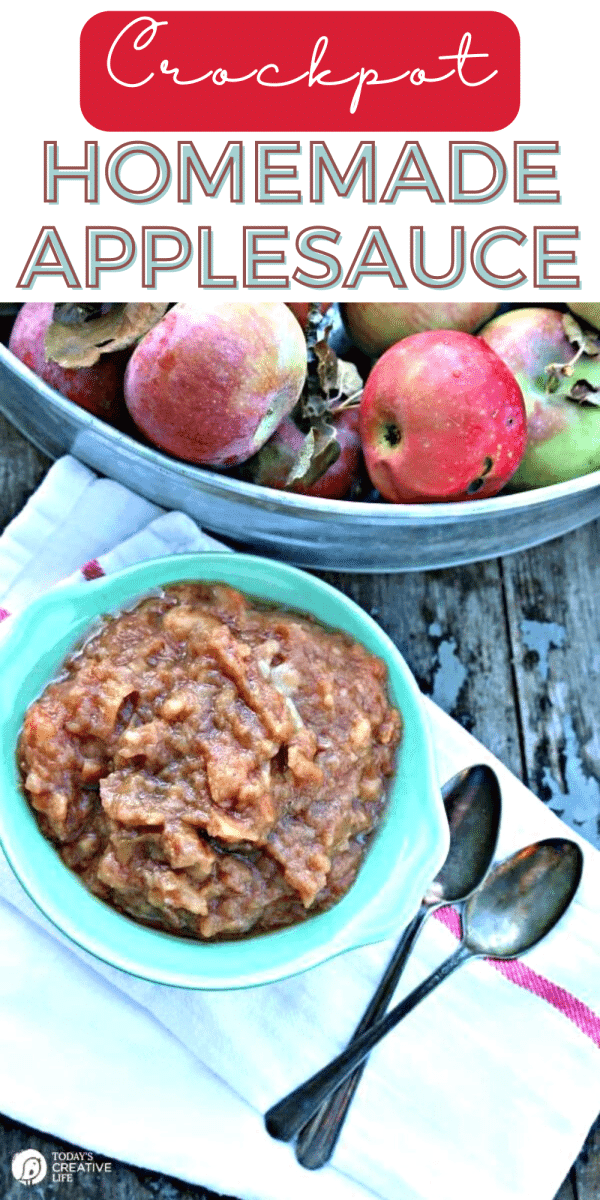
column 327, row 534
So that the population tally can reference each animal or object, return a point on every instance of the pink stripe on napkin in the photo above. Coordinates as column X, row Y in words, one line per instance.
column 518, row 972
column 92, row 569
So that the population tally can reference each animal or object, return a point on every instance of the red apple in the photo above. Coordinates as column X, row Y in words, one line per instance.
column 563, row 434
column 441, row 418
column 273, row 463
column 376, row 327
column 211, row 382
column 99, row 389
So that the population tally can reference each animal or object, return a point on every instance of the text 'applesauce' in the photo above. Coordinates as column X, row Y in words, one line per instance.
column 212, row 767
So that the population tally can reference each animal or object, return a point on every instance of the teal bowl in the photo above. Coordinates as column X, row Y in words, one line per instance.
column 407, row 851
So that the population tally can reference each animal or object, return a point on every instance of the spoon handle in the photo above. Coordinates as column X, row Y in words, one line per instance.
column 317, row 1140
column 284, row 1120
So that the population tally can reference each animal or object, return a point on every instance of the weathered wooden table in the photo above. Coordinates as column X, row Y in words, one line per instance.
column 510, row 649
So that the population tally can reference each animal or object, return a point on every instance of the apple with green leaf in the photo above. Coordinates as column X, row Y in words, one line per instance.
column 557, row 365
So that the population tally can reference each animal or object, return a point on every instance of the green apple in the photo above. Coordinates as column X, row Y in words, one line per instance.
column 590, row 312
column 375, row 327
column 563, row 417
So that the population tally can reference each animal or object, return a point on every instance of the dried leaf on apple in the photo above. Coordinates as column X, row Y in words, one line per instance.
column 349, row 385
column 327, row 365
column 584, row 393
column 586, row 342
column 81, row 333
column 318, row 452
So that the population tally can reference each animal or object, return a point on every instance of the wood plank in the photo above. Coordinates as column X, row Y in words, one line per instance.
column 451, row 628
column 21, row 469
column 553, row 607
column 553, row 604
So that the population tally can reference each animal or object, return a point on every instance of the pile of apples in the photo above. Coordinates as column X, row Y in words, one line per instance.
column 439, row 402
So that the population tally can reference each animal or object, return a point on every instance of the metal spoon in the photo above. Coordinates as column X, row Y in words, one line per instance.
column 472, row 803
column 518, row 903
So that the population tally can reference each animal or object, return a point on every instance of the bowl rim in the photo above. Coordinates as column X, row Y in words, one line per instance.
column 316, row 506
column 346, row 925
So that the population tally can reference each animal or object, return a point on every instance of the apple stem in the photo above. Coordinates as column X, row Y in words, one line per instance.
column 553, row 370
column 352, row 401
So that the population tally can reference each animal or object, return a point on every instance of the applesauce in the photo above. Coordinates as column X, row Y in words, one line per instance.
column 210, row 766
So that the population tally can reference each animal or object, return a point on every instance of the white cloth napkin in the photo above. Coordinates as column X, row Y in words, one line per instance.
column 487, row 1090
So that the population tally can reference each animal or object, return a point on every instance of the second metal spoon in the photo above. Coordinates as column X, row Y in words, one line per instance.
column 518, row 903
column 472, row 803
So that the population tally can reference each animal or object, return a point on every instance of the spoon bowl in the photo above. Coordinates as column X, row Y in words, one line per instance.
column 522, row 899
column 472, row 803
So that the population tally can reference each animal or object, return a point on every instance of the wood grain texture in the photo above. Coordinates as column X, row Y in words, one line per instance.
column 510, row 650
column 553, row 606
column 21, row 469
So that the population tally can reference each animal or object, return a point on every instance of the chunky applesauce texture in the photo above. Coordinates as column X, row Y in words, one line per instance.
column 211, row 766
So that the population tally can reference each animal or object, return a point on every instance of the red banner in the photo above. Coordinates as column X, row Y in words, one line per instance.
column 300, row 71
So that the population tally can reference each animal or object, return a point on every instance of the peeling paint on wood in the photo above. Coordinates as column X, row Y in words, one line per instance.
column 540, row 637
column 449, row 676
column 553, row 606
